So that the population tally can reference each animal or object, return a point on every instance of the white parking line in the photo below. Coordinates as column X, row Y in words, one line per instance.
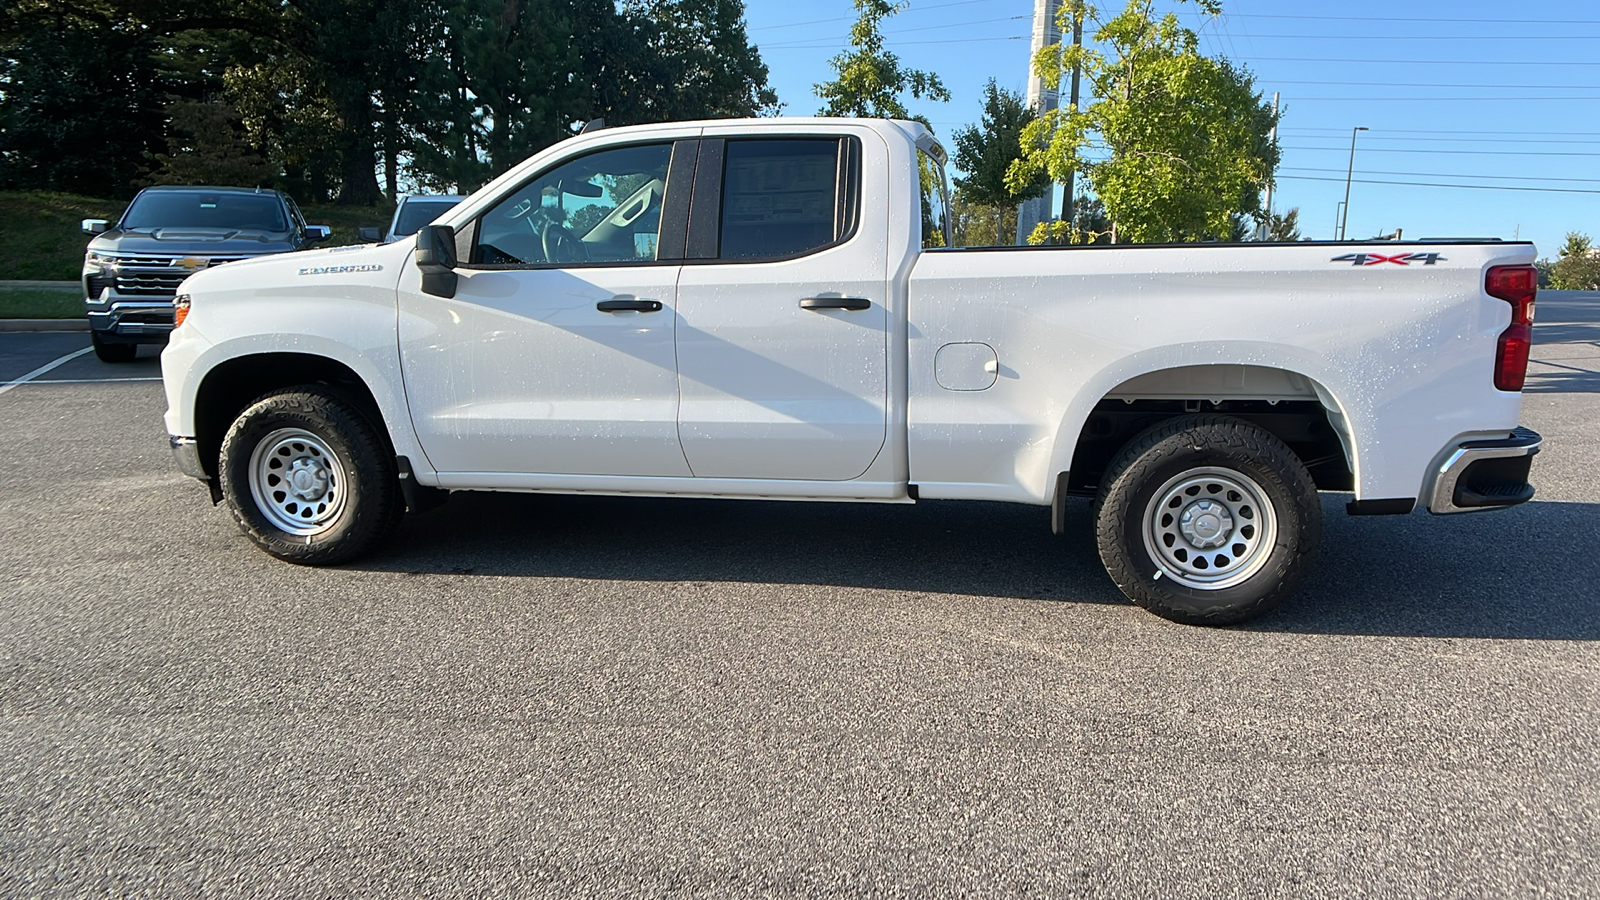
column 94, row 380
column 43, row 369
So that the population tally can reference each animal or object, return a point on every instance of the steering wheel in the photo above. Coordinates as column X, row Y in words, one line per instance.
column 561, row 245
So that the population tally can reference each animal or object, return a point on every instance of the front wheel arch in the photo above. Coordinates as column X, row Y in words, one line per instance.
column 234, row 384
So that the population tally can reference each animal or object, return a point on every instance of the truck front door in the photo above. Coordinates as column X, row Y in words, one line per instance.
column 555, row 356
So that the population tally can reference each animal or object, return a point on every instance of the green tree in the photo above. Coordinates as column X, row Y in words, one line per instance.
column 210, row 145
column 973, row 224
column 82, row 103
column 870, row 79
column 1282, row 226
column 1176, row 146
column 1578, row 269
column 987, row 151
column 691, row 59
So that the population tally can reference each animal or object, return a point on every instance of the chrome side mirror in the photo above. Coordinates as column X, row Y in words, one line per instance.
column 95, row 226
column 318, row 232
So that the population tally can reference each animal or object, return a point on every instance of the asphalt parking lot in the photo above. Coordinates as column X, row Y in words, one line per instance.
column 530, row 696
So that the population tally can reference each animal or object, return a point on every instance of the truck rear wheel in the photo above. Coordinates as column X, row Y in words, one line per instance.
column 1207, row 520
column 308, row 478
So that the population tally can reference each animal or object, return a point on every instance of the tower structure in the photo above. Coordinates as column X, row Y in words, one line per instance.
column 1042, row 99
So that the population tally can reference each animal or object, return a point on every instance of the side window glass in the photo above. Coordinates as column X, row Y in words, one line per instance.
column 935, row 216
column 600, row 208
column 780, row 197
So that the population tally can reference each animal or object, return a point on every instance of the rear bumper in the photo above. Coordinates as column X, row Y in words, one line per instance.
column 1485, row 474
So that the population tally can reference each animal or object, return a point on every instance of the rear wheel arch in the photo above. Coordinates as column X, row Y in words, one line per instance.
column 1296, row 408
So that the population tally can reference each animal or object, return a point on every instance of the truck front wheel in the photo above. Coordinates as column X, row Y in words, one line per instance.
column 307, row 478
column 1207, row 520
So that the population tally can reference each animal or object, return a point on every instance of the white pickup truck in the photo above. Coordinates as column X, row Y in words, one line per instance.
column 763, row 309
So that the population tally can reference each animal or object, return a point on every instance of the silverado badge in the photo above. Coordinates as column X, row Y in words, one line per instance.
column 191, row 262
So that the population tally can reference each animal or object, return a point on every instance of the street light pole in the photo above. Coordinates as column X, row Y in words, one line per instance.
column 1345, row 219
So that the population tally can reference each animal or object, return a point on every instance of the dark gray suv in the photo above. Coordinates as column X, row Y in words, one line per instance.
column 132, row 270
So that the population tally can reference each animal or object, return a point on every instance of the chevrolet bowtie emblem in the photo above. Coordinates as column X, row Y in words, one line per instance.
column 192, row 262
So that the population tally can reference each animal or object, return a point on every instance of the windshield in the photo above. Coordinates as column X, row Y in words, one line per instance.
column 416, row 213
column 201, row 209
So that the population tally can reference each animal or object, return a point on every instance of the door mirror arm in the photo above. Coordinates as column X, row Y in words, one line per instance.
column 436, row 257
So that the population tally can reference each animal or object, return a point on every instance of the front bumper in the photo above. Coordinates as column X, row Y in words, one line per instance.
column 142, row 320
column 186, row 453
column 1485, row 474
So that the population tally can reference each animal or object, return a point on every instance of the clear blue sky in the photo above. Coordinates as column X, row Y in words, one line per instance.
column 1468, row 95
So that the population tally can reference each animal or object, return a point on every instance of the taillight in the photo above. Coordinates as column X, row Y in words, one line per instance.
column 1517, row 285
column 180, row 309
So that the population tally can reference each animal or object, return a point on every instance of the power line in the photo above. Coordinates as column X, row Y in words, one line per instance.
column 1478, row 99
column 1470, row 187
column 1366, row 149
column 1419, row 62
column 1385, row 131
column 1427, row 37
column 1459, row 140
column 1530, row 87
column 1454, row 20
column 1445, row 175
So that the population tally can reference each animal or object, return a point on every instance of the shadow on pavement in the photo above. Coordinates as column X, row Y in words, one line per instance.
column 1565, row 317
column 1530, row 572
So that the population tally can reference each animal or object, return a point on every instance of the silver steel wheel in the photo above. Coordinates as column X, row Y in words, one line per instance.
column 1210, row 528
column 297, row 481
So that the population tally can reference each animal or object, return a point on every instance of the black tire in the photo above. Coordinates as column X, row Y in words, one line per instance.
column 325, row 489
column 1207, row 520
column 112, row 351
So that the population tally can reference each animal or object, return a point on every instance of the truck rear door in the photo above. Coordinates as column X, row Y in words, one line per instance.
column 782, row 338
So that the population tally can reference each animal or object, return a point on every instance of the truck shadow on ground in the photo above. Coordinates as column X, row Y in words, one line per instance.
column 1529, row 572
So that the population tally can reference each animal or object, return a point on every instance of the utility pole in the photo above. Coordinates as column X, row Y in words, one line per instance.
column 1042, row 99
column 1345, row 219
column 1265, row 230
column 1077, row 73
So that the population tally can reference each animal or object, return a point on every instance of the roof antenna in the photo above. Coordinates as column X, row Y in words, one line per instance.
column 592, row 125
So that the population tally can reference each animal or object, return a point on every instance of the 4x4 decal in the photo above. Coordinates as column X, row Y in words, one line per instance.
column 1399, row 259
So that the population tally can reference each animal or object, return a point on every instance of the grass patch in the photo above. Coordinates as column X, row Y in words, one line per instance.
column 27, row 304
column 41, row 238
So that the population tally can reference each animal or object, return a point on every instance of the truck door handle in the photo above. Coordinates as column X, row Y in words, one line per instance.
column 835, row 303
column 628, row 304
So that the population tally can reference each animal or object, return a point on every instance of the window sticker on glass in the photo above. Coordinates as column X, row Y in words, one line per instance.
column 778, row 197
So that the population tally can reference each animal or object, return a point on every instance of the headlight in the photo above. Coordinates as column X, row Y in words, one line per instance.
column 103, row 260
column 180, row 309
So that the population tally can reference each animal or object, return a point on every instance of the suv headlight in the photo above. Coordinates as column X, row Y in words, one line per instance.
column 101, row 260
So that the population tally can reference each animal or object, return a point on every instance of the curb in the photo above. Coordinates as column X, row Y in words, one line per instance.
column 63, row 286
column 12, row 325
